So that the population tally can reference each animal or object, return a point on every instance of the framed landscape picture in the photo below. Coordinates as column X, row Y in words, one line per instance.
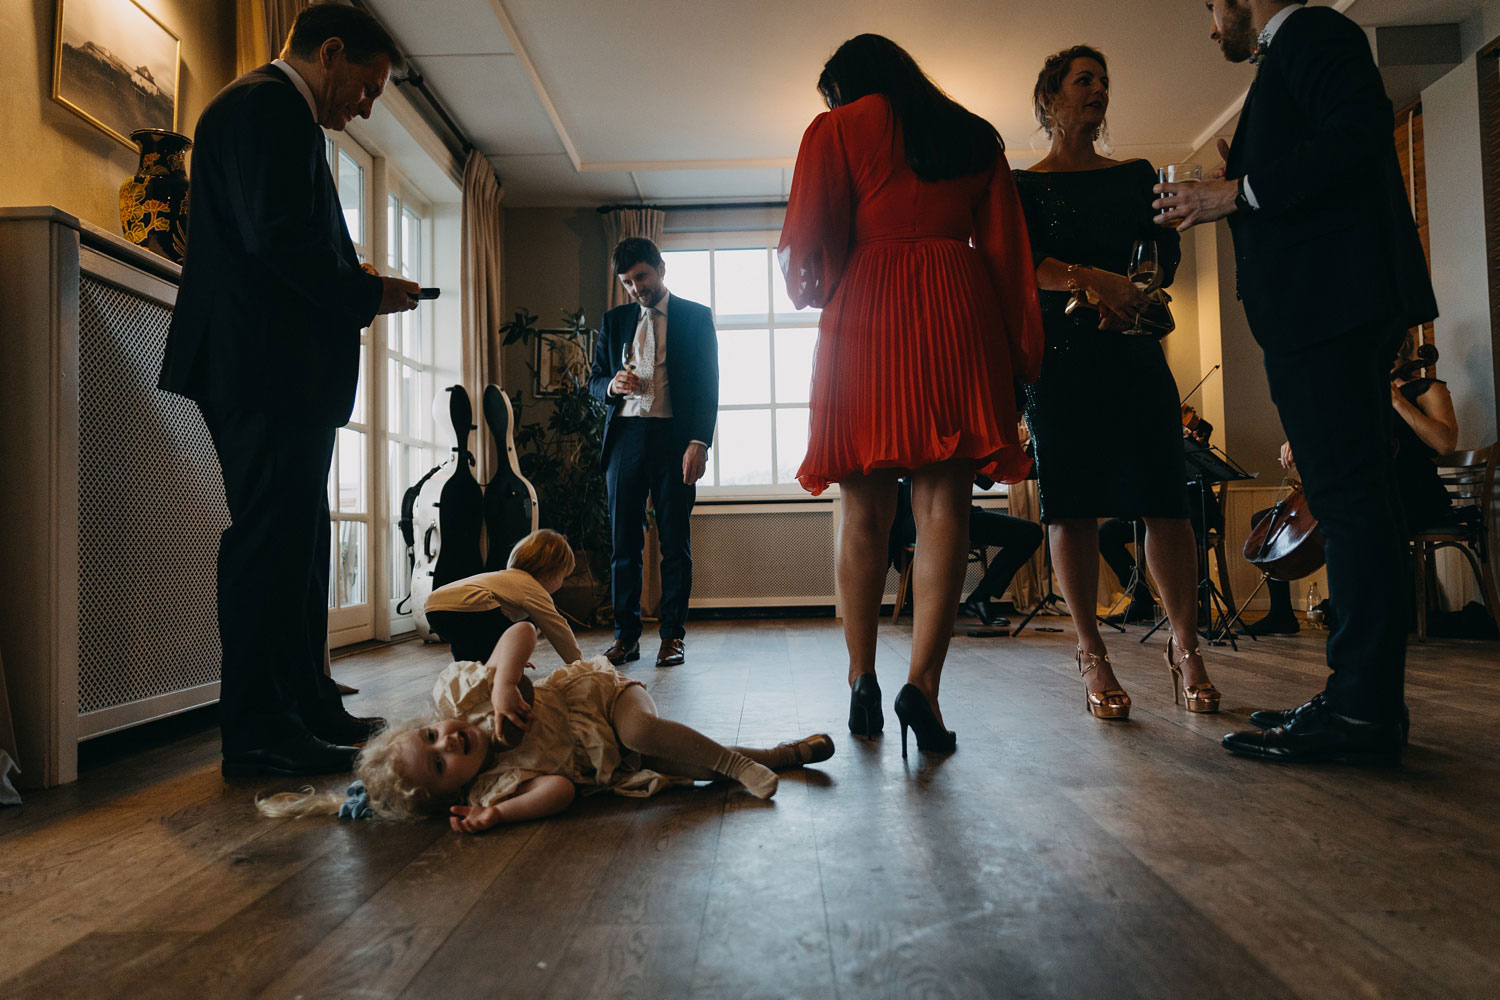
column 561, row 359
column 116, row 66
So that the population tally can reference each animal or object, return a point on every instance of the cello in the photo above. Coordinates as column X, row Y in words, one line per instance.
column 510, row 508
column 1286, row 544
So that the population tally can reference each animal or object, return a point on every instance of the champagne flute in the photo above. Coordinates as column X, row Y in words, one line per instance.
column 1177, row 173
column 1143, row 272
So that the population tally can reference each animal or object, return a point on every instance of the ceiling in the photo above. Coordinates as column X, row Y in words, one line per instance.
column 583, row 102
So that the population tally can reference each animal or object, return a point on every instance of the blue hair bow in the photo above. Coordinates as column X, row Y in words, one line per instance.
column 357, row 805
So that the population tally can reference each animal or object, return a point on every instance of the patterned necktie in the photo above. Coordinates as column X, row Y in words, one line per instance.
column 646, row 362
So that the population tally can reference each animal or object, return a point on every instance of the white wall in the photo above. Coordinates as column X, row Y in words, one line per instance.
column 1455, row 198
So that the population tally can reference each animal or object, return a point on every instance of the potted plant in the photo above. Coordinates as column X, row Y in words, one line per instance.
column 559, row 453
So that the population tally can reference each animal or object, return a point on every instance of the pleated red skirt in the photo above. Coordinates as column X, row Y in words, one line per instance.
column 912, row 367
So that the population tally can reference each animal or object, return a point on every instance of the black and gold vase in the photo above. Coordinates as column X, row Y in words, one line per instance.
column 154, row 202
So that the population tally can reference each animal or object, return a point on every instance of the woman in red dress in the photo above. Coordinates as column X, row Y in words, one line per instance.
column 904, row 226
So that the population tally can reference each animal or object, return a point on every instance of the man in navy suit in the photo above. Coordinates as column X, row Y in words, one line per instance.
column 656, row 367
column 265, row 337
column 1332, row 274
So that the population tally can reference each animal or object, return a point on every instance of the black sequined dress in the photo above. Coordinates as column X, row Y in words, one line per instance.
column 1104, row 417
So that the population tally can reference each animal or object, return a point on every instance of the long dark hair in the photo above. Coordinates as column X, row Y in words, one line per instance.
column 943, row 138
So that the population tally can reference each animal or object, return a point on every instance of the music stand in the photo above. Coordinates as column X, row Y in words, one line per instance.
column 1208, row 467
column 1051, row 599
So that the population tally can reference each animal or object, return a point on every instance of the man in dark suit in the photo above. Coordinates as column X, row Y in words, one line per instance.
column 659, row 426
column 1332, row 274
column 265, row 337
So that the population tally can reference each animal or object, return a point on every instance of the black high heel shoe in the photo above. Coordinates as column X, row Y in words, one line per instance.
column 912, row 709
column 865, row 715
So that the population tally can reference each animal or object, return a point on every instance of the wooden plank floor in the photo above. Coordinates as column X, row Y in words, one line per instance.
column 1051, row 856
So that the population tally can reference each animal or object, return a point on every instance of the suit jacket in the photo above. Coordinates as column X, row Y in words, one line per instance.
column 272, row 298
column 692, row 357
column 1333, row 245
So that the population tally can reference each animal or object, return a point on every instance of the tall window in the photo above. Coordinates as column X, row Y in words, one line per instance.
column 417, row 368
column 765, row 364
column 348, row 482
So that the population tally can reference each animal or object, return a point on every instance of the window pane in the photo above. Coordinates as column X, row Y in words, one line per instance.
column 411, row 329
column 791, row 442
column 393, row 409
column 744, row 366
column 687, row 274
column 794, row 360
column 400, row 575
column 358, row 414
column 333, row 570
column 740, row 283
column 782, row 302
column 392, row 206
column 411, row 234
column 352, row 561
column 352, row 196
column 411, row 381
column 351, row 471
column 744, row 447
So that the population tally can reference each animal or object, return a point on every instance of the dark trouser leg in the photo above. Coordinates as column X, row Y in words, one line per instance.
column 1335, row 403
column 626, row 481
column 1017, row 540
column 1114, row 535
column 276, row 485
column 315, row 617
column 471, row 635
column 674, row 501
column 1280, row 593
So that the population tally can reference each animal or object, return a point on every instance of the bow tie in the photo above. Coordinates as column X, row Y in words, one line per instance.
column 1261, row 47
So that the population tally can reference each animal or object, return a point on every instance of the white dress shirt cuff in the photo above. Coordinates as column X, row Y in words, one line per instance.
column 1249, row 192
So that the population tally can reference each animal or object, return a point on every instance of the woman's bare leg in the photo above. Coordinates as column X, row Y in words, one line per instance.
column 1075, row 558
column 1172, row 554
column 868, row 508
column 940, row 497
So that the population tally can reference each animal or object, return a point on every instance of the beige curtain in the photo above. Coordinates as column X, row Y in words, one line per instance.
column 623, row 223
column 481, row 282
column 261, row 27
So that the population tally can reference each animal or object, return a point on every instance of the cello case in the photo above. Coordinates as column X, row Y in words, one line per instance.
column 510, row 508
column 448, row 515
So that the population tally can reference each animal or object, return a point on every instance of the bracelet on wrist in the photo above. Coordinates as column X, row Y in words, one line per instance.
column 1071, row 275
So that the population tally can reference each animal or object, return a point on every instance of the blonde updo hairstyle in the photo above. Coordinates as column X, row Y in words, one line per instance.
column 542, row 552
column 390, row 795
column 1050, row 80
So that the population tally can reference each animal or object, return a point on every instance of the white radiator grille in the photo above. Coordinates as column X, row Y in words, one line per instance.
column 762, row 557
column 150, row 510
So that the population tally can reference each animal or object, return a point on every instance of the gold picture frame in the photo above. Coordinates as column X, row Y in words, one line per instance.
column 562, row 357
column 106, row 58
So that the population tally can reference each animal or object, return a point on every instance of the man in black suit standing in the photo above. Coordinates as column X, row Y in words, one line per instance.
column 1331, row 274
column 659, row 426
column 265, row 337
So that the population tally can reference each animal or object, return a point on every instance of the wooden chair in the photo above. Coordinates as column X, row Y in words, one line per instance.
column 979, row 554
column 1469, row 477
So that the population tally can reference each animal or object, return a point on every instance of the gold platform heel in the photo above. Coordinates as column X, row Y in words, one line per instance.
column 1111, row 704
column 1201, row 698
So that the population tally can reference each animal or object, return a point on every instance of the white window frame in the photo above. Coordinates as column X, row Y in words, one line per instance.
column 807, row 320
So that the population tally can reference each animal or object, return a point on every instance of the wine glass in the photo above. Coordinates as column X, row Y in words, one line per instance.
column 1143, row 272
column 1177, row 173
column 627, row 361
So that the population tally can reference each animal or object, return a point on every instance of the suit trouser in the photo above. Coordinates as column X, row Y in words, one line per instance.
column 1334, row 398
column 1017, row 539
column 273, row 573
column 645, row 459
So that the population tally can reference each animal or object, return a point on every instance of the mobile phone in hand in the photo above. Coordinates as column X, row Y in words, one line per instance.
column 427, row 293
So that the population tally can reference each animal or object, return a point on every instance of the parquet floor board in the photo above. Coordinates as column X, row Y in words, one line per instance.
column 1051, row 856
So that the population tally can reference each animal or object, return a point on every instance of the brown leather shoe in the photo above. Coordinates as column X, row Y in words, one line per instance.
column 670, row 654
column 620, row 652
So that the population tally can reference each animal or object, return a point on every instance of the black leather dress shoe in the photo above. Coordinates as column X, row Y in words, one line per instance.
column 345, row 730
column 621, row 651
column 1274, row 625
column 1317, row 735
column 294, row 755
column 672, row 653
column 982, row 610
column 1271, row 718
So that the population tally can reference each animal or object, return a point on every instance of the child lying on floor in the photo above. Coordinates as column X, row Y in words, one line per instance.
column 584, row 728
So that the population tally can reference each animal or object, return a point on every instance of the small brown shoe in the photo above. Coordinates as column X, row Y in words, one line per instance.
column 670, row 654
column 620, row 652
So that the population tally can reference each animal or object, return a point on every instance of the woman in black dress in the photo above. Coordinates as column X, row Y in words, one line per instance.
column 1104, row 416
